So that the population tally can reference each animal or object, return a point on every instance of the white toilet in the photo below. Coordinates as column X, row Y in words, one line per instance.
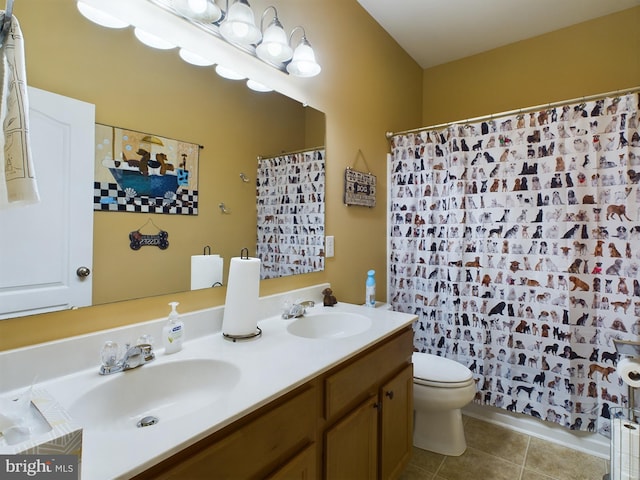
column 441, row 387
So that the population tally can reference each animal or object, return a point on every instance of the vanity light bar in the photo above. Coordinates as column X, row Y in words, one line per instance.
column 237, row 27
column 159, row 18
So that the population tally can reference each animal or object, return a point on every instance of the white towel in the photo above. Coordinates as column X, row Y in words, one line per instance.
column 17, row 178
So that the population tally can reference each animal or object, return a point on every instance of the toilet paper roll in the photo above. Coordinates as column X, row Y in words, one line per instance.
column 629, row 371
column 241, row 304
column 206, row 270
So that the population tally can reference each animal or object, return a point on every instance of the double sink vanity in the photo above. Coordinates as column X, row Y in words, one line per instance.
column 325, row 395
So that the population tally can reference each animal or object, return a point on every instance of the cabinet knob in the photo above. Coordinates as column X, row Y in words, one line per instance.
column 389, row 394
column 377, row 406
column 83, row 272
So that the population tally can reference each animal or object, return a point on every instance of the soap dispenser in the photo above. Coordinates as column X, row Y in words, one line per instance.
column 173, row 331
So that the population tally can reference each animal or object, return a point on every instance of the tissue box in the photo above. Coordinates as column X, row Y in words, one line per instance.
column 54, row 432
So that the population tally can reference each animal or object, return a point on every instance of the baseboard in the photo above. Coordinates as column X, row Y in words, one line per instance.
column 591, row 443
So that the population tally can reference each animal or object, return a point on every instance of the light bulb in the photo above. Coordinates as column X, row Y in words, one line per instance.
column 228, row 73
column 239, row 26
column 152, row 40
column 194, row 59
column 98, row 16
column 274, row 49
column 274, row 46
column 304, row 62
column 258, row 87
column 240, row 30
column 205, row 11
column 197, row 6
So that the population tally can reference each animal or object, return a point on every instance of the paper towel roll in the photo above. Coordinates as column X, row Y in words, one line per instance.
column 629, row 371
column 241, row 304
column 205, row 271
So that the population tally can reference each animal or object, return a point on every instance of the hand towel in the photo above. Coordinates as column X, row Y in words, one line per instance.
column 17, row 178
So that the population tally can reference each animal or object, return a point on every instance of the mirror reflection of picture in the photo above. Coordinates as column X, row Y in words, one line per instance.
column 290, row 200
column 141, row 172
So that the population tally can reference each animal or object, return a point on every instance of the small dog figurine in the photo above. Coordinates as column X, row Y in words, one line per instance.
column 329, row 299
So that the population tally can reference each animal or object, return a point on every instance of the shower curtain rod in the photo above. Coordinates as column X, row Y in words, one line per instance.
column 514, row 112
column 310, row 149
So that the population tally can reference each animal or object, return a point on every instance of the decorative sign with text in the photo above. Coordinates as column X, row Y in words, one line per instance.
column 160, row 240
column 359, row 188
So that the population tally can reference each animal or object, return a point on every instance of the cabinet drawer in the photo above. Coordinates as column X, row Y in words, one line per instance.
column 360, row 378
column 301, row 467
column 269, row 440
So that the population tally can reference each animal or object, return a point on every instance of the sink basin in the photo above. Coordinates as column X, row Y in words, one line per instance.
column 329, row 325
column 163, row 391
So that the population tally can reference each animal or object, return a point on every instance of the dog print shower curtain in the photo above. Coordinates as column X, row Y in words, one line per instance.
column 290, row 213
column 517, row 243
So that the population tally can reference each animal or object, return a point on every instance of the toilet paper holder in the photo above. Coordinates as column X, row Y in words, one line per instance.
column 627, row 347
column 630, row 349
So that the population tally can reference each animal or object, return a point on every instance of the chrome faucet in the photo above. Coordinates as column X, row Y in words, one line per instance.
column 297, row 309
column 134, row 357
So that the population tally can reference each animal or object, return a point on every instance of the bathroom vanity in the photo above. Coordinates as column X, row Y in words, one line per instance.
column 353, row 421
column 327, row 395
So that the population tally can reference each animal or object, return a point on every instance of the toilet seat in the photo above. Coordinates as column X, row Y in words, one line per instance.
column 434, row 371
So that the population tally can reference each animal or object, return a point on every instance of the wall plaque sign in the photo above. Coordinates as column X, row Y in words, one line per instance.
column 359, row 188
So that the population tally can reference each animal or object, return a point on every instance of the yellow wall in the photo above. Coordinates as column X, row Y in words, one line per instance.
column 368, row 85
column 593, row 57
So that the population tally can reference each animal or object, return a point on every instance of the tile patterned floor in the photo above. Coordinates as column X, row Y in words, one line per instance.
column 496, row 453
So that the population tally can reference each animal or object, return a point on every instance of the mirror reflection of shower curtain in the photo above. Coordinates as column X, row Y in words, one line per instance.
column 517, row 243
column 290, row 202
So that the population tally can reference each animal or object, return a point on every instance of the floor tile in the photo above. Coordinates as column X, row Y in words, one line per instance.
column 531, row 475
column 495, row 440
column 413, row 472
column 481, row 465
column 563, row 463
column 498, row 453
column 426, row 460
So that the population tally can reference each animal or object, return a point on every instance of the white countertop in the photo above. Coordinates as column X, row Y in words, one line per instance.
column 270, row 366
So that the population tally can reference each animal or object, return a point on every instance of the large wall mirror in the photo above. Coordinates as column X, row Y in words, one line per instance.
column 138, row 88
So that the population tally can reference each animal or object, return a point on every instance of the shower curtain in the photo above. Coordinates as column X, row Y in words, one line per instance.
column 290, row 203
column 517, row 243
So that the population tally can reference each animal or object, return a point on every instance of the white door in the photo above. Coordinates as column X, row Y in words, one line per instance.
column 42, row 246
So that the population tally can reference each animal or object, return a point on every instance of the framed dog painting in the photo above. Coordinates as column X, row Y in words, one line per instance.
column 146, row 173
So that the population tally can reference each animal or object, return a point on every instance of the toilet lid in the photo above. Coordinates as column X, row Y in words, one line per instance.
column 433, row 368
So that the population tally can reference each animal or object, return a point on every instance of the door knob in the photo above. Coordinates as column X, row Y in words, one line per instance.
column 83, row 272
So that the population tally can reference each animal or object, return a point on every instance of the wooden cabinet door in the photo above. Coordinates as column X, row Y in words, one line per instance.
column 396, row 423
column 300, row 467
column 351, row 445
